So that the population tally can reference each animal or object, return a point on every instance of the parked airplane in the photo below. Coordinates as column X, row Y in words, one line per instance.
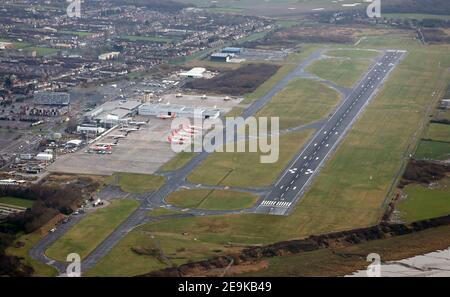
column 137, row 123
column 118, row 136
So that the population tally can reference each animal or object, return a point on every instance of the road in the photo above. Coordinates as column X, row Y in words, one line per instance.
column 302, row 170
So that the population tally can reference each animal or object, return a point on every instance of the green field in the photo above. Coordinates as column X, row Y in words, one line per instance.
column 342, row 72
column 212, row 199
column 353, row 54
column 21, row 249
column 137, row 183
column 346, row 260
column 432, row 150
column 161, row 39
column 438, row 132
column 178, row 161
column 416, row 16
column 179, row 249
column 16, row 202
column 161, row 211
column 302, row 101
column 424, row 203
column 245, row 169
column 77, row 33
column 85, row 236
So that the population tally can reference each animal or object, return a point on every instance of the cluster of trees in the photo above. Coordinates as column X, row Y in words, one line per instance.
column 236, row 82
column 49, row 202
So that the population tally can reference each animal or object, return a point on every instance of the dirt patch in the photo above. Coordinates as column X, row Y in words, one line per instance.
column 423, row 172
column 236, row 82
column 293, row 36
column 254, row 256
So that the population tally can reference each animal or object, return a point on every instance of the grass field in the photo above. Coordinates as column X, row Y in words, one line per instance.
column 16, row 201
column 161, row 211
column 212, row 199
column 179, row 249
column 432, row 150
column 302, row 101
column 416, row 16
column 342, row 261
column 138, row 183
column 342, row 72
column 27, row 241
column 438, row 132
column 353, row 54
column 245, row 169
column 178, row 161
column 85, row 236
column 423, row 202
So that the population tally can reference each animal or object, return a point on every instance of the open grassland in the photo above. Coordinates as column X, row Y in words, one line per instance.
column 416, row 16
column 137, row 183
column 212, row 199
column 178, row 161
column 353, row 54
column 21, row 248
column 438, row 132
column 342, row 72
column 85, row 236
column 141, row 251
column 432, row 150
column 423, row 202
column 16, row 202
column 343, row 261
column 245, row 169
column 302, row 101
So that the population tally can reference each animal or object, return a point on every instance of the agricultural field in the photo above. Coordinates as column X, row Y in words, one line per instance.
column 245, row 169
column 302, row 101
column 340, row 71
column 432, row 150
column 425, row 202
column 438, row 132
column 212, row 199
column 86, row 235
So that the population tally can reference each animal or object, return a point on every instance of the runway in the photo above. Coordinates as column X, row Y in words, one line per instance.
column 294, row 181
